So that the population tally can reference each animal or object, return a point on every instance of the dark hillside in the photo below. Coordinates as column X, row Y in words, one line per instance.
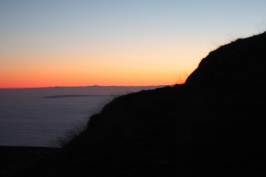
column 213, row 125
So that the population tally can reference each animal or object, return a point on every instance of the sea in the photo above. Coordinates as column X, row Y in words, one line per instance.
column 42, row 116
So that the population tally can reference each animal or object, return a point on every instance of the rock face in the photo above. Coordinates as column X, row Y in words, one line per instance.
column 213, row 125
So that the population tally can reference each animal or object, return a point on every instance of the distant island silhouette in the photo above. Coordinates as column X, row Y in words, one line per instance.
column 212, row 125
column 67, row 96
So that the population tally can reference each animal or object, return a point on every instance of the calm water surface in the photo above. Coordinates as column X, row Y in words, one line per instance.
column 37, row 117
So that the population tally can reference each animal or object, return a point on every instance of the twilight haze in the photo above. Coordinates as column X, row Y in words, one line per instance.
column 118, row 42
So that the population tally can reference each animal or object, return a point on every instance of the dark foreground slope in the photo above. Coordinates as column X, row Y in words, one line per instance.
column 213, row 125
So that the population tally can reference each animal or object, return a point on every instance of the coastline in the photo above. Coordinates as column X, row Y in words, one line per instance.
column 16, row 158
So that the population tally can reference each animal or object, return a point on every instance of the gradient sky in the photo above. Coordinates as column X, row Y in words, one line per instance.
column 116, row 42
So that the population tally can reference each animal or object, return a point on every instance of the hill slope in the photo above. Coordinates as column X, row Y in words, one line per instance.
column 213, row 125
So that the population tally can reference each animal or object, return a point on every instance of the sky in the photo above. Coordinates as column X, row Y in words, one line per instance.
column 116, row 42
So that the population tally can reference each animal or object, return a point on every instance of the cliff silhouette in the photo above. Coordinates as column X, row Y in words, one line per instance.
column 212, row 125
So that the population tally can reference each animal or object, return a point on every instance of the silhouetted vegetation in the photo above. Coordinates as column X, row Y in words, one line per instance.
column 212, row 125
column 76, row 129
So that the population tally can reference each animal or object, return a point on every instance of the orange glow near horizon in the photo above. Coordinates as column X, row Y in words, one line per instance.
column 49, row 77
column 145, row 67
column 39, row 79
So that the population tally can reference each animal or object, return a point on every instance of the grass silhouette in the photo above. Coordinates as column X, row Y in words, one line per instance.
column 75, row 130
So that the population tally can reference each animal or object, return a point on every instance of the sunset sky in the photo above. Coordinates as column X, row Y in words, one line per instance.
column 46, row 43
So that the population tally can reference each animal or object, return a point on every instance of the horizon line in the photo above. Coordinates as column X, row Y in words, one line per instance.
column 83, row 86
